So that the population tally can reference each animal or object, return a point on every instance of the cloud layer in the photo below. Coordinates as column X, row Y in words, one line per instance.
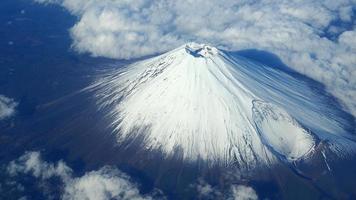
column 7, row 107
column 316, row 38
column 105, row 183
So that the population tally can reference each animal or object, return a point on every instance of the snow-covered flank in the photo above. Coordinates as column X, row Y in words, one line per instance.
column 281, row 132
column 198, row 100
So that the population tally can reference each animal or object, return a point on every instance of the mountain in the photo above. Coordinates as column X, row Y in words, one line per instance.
column 209, row 104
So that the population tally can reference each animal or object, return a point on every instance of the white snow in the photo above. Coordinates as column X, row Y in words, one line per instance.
column 199, row 99
column 325, row 160
column 281, row 132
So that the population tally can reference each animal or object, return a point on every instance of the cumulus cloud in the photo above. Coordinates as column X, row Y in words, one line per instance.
column 32, row 163
column 7, row 107
column 105, row 183
column 236, row 192
column 242, row 192
column 207, row 191
column 316, row 38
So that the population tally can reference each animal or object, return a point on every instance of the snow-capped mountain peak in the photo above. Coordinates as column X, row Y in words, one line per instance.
column 212, row 105
column 201, row 50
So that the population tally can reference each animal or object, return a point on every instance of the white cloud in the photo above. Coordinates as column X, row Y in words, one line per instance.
column 7, row 107
column 348, row 38
column 242, row 192
column 207, row 191
column 105, row 183
column 32, row 163
column 235, row 192
column 293, row 30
